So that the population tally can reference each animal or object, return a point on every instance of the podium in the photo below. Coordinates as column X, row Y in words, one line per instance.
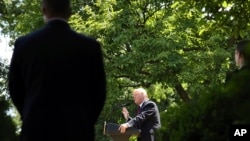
column 111, row 129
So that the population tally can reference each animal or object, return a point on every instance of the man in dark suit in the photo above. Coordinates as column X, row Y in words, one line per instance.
column 147, row 118
column 54, row 74
column 242, row 60
column 237, row 85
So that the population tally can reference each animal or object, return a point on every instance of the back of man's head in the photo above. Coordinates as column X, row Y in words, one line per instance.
column 243, row 47
column 61, row 8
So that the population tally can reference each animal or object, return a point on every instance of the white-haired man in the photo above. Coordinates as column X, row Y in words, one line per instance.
column 147, row 118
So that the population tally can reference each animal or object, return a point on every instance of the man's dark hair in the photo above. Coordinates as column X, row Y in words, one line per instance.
column 58, row 7
column 243, row 47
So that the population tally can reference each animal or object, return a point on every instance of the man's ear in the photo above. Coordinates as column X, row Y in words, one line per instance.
column 240, row 55
column 44, row 11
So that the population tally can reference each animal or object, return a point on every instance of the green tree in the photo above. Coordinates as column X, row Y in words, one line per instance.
column 7, row 124
column 178, row 50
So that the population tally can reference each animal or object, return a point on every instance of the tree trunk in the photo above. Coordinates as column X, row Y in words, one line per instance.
column 183, row 94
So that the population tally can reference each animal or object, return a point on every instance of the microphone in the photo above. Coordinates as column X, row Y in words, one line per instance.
column 124, row 105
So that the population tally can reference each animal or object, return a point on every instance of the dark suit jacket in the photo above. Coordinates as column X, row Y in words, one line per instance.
column 148, row 121
column 238, row 90
column 54, row 74
column 239, row 74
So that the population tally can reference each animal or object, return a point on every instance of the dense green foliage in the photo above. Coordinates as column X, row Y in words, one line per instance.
column 7, row 125
column 177, row 49
column 210, row 116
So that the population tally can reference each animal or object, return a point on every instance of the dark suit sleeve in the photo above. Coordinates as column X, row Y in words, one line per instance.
column 229, row 75
column 148, row 110
column 15, row 80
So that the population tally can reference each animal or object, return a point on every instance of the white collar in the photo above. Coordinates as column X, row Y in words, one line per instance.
column 143, row 102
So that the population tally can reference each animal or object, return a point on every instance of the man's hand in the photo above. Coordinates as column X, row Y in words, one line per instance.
column 123, row 127
column 125, row 113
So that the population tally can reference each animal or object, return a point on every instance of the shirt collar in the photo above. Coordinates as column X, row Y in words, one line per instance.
column 143, row 102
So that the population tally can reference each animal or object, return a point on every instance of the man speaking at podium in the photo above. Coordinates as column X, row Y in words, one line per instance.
column 147, row 118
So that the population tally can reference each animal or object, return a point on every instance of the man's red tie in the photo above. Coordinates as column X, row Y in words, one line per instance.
column 138, row 110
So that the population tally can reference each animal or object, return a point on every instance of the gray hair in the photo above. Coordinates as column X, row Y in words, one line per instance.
column 143, row 92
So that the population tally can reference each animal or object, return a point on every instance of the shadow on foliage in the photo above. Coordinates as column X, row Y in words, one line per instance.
column 209, row 117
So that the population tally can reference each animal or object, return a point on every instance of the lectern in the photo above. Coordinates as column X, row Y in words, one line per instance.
column 111, row 129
